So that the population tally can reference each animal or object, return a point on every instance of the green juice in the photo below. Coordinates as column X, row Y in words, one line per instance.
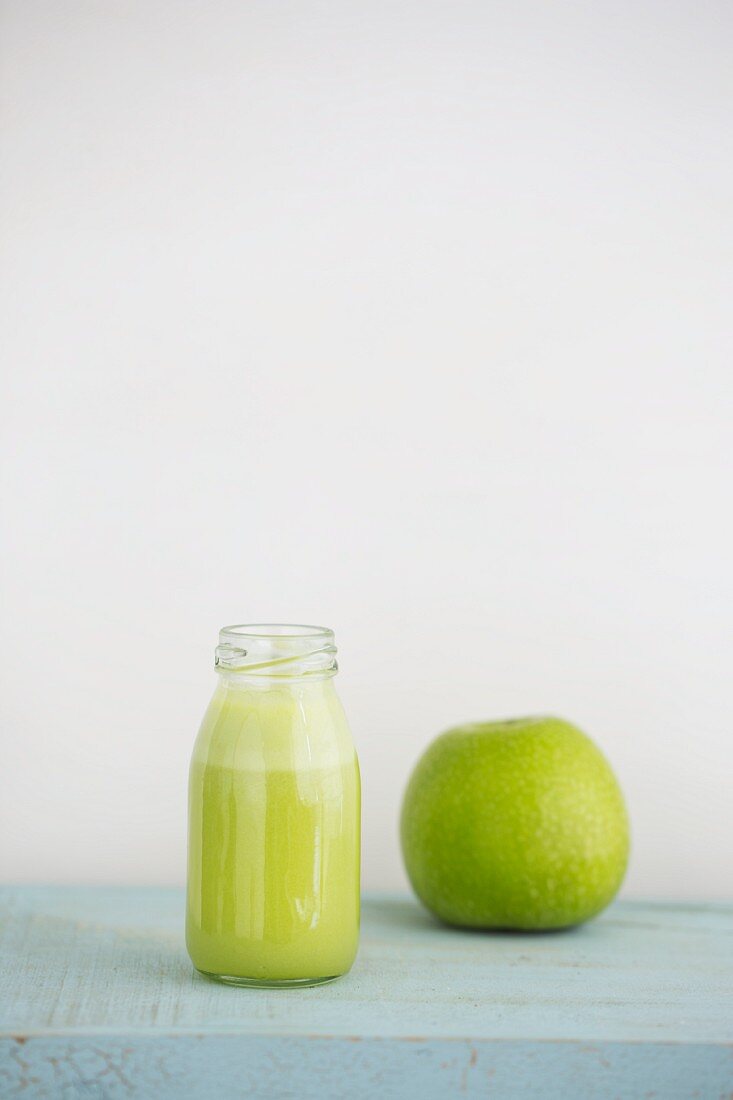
column 274, row 823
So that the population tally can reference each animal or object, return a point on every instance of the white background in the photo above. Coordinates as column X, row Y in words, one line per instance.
column 411, row 319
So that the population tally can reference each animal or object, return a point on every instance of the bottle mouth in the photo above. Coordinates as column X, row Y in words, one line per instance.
column 276, row 650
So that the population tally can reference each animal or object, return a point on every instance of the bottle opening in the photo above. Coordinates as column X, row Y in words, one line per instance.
column 276, row 649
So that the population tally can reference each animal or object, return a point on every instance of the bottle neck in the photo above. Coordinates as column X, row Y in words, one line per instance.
column 272, row 653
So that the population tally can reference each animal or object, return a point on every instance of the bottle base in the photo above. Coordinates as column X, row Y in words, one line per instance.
column 267, row 983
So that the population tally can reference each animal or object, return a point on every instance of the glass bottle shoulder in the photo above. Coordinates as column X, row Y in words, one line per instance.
column 289, row 725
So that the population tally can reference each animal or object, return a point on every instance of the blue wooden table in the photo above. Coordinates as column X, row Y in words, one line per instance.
column 98, row 999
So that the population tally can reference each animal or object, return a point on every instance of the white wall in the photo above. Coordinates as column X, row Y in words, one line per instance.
column 407, row 318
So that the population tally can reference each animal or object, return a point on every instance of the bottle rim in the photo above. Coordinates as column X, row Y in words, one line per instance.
column 272, row 630
column 283, row 650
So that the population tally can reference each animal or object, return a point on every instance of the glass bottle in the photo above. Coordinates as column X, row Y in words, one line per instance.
column 274, row 815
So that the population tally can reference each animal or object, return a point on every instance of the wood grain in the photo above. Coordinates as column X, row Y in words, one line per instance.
column 98, row 998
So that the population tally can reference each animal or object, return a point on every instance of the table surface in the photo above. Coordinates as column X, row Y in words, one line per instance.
column 81, row 961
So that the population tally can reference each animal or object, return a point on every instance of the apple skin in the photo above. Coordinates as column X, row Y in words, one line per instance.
column 516, row 824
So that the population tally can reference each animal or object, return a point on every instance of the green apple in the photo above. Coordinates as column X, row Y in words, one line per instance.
column 514, row 824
